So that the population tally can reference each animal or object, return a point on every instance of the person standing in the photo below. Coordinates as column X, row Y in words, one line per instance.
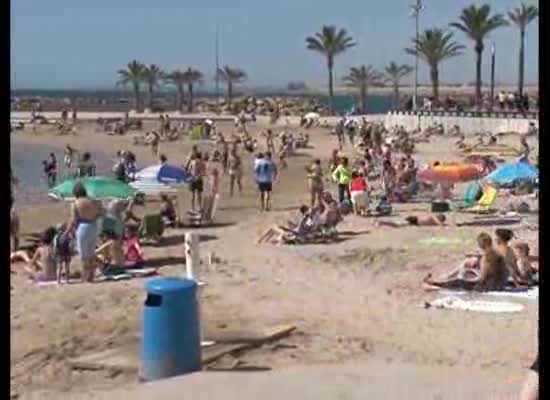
column 315, row 181
column 342, row 176
column 83, row 223
column 265, row 172
column 197, row 170
column 235, row 171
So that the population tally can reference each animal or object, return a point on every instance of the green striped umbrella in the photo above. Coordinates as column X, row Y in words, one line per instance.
column 97, row 187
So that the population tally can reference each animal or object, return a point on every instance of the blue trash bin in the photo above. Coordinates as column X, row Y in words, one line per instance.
column 170, row 343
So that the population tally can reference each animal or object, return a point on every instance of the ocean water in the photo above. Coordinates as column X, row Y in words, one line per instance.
column 376, row 104
column 26, row 164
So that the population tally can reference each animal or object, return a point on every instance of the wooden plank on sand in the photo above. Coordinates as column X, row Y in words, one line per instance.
column 127, row 358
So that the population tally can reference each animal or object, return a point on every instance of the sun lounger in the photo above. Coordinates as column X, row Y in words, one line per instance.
column 485, row 203
column 206, row 215
column 151, row 227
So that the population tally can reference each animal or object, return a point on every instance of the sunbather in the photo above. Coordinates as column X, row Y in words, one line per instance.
column 167, row 210
column 526, row 271
column 503, row 237
column 493, row 273
column 306, row 220
column 43, row 266
column 412, row 220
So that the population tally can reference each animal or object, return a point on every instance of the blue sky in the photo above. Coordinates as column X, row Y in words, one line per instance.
column 81, row 44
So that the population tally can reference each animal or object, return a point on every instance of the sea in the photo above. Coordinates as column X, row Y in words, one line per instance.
column 376, row 104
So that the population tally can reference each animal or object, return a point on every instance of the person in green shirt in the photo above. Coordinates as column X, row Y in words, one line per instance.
column 342, row 176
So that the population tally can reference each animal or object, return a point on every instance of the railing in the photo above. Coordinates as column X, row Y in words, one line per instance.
column 470, row 114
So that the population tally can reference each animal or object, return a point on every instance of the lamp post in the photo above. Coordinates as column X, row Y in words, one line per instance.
column 493, row 57
column 416, row 8
column 217, row 76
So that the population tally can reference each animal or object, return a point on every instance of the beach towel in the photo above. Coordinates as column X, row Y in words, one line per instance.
column 455, row 303
column 471, row 194
column 531, row 294
column 435, row 240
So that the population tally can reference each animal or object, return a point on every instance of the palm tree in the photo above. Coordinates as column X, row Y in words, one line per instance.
column 231, row 76
column 153, row 75
column 394, row 74
column 434, row 46
column 178, row 79
column 330, row 42
column 361, row 78
column 477, row 22
column 133, row 75
column 192, row 77
column 521, row 17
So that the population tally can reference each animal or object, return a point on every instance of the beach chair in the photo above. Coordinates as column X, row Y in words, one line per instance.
column 485, row 203
column 471, row 194
column 151, row 227
column 206, row 215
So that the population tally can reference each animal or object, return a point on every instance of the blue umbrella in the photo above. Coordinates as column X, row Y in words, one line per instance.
column 164, row 173
column 513, row 172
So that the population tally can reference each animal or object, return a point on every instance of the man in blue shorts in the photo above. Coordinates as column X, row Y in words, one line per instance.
column 265, row 172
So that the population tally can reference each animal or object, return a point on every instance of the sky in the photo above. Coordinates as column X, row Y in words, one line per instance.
column 81, row 44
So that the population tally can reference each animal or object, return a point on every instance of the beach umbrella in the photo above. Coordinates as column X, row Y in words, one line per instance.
column 450, row 173
column 154, row 187
column 164, row 173
column 97, row 187
column 511, row 173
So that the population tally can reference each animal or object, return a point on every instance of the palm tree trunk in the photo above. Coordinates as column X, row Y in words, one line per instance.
column 179, row 97
column 363, row 100
column 150, row 99
column 521, row 62
column 190, row 104
column 396, row 95
column 479, row 54
column 434, row 76
column 137, row 102
column 330, row 63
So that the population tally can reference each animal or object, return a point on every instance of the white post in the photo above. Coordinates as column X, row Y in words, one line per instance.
column 192, row 256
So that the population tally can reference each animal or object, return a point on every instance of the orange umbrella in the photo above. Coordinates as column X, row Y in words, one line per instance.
column 451, row 172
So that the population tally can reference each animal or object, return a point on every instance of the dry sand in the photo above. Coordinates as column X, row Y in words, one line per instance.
column 357, row 300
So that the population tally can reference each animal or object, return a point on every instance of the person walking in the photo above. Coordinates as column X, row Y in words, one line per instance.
column 265, row 172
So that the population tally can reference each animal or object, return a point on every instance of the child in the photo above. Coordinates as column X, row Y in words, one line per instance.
column 133, row 257
column 63, row 251
column 358, row 190
column 43, row 265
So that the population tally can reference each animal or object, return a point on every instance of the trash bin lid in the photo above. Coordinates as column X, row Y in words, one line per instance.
column 168, row 285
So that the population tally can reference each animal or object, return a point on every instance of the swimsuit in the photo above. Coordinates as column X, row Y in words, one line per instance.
column 86, row 236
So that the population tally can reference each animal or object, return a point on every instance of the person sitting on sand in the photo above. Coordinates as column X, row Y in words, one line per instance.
column 85, row 167
column 527, row 271
column 412, row 220
column 167, row 210
column 493, row 273
column 42, row 267
column 503, row 237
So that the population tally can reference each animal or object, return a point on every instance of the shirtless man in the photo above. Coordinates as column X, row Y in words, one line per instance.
column 153, row 139
column 197, row 169
column 493, row 273
column 269, row 142
column 427, row 220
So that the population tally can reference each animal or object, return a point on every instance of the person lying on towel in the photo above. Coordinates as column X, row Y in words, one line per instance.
column 493, row 273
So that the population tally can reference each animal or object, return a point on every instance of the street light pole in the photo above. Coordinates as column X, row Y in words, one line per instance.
column 493, row 58
column 417, row 7
column 217, row 76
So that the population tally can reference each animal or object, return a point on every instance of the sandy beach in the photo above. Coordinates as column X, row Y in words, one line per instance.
column 358, row 300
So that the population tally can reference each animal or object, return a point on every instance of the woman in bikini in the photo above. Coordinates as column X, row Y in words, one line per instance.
column 315, row 182
column 42, row 267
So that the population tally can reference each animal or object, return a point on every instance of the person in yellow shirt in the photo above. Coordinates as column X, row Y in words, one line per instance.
column 342, row 176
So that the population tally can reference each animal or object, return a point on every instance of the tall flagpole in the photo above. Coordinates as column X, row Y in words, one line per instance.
column 217, row 69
